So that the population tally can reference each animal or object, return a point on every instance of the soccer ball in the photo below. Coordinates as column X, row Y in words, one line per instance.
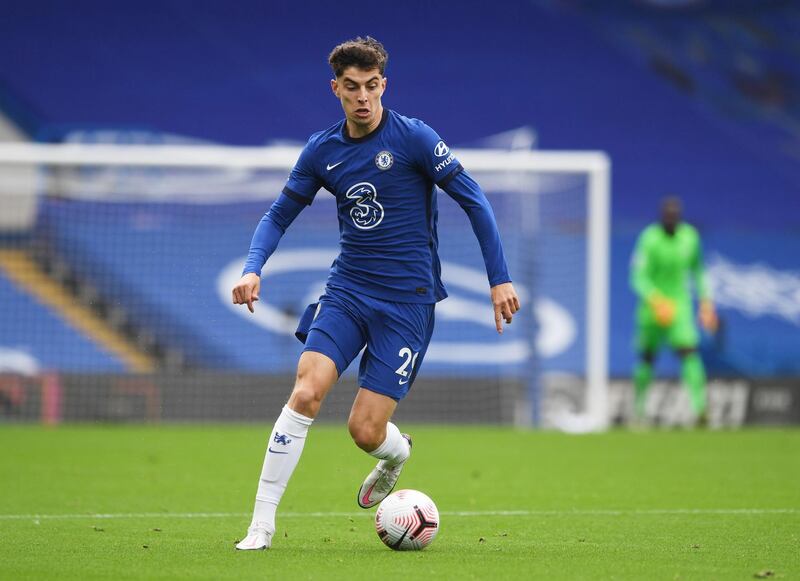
column 407, row 520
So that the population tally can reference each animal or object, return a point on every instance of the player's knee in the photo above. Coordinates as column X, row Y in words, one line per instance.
column 366, row 436
column 308, row 391
column 311, row 385
column 305, row 400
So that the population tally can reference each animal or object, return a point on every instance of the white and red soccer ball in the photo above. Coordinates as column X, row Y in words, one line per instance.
column 407, row 520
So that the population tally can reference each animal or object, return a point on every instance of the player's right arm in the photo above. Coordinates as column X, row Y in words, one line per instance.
column 265, row 240
column 640, row 267
column 642, row 282
column 300, row 190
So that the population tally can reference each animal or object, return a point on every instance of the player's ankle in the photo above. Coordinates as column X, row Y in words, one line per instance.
column 394, row 449
column 267, row 526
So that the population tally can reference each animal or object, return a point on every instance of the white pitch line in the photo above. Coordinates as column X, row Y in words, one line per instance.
column 464, row 513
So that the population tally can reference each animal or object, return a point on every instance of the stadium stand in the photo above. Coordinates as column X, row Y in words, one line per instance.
column 128, row 251
column 244, row 81
column 741, row 65
column 49, row 341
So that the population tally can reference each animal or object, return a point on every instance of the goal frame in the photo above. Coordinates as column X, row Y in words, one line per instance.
column 595, row 165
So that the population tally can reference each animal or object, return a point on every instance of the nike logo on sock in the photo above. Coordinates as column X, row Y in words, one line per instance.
column 330, row 167
column 275, row 451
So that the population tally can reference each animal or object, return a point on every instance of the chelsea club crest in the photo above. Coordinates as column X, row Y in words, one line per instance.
column 384, row 160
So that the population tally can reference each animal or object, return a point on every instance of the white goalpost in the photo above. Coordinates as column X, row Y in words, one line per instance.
column 200, row 174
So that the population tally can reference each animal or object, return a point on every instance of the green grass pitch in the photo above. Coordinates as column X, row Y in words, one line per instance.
column 168, row 502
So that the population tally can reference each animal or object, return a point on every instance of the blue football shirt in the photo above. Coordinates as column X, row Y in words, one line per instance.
column 386, row 201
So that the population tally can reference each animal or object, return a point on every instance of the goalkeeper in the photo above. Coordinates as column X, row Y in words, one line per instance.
column 667, row 255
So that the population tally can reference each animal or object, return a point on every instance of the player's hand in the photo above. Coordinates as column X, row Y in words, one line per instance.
column 246, row 290
column 664, row 310
column 708, row 316
column 505, row 303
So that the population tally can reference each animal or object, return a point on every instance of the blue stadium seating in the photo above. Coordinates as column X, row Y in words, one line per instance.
column 26, row 326
column 741, row 64
column 159, row 262
column 248, row 73
column 171, row 267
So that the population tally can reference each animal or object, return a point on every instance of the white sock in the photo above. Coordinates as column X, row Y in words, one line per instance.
column 283, row 452
column 395, row 448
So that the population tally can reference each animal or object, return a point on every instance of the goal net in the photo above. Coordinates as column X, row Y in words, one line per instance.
column 117, row 262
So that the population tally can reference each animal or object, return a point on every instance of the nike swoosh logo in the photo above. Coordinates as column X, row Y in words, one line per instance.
column 365, row 498
column 401, row 382
column 276, row 452
column 330, row 167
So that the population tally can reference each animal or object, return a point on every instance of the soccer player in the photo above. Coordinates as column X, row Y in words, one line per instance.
column 666, row 256
column 382, row 168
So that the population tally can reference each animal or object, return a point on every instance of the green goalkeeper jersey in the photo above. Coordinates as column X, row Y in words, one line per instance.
column 664, row 265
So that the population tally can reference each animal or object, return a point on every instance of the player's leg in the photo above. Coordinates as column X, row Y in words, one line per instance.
column 372, row 431
column 649, row 336
column 398, row 339
column 316, row 374
column 322, row 362
column 684, row 339
column 693, row 374
column 642, row 378
column 368, row 425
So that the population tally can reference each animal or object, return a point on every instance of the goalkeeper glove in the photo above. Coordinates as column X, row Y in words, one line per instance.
column 663, row 309
column 708, row 316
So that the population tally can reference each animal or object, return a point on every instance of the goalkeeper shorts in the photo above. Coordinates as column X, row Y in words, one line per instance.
column 681, row 334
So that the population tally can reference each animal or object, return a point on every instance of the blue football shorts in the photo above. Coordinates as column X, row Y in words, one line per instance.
column 396, row 336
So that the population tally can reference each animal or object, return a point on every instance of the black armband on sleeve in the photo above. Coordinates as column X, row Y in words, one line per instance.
column 296, row 197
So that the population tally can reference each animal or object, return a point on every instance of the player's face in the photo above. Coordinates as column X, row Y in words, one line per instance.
column 360, row 93
column 670, row 217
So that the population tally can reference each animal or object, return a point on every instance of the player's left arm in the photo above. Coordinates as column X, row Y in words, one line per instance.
column 707, row 314
column 437, row 162
column 466, row 191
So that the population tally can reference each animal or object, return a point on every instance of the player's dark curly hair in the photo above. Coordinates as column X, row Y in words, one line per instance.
column 363, row 53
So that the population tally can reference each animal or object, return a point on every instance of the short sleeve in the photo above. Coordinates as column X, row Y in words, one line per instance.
column 303, row 183
column 434, row 156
